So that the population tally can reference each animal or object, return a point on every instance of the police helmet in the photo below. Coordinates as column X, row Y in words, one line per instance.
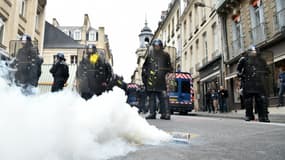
column 26, row 37
column 60, row 56
column 251, row 48
column 91, row 48
column 157, row 42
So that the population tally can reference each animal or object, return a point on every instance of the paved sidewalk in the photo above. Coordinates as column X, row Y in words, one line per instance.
column 276, row 114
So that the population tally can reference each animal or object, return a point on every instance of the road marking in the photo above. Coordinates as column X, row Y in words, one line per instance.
column 272, row 124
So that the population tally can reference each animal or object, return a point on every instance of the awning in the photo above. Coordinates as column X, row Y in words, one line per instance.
column 279, row 58
column 231, row 75
column 210, row 76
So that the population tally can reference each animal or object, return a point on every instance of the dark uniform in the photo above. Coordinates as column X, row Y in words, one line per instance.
column 253, row 70
column 60, row 73
column 28, row 65
column 209, row 102
column 94, row 74
column 155, row 67
column 142, row 99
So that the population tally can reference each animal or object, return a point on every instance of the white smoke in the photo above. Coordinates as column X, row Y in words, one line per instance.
column 63, row 126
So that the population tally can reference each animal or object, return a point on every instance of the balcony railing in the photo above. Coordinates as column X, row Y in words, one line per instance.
column 279, row 20
column 258, row 33
column 237, row 47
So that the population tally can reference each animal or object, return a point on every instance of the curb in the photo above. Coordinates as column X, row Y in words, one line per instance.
column 276, row 118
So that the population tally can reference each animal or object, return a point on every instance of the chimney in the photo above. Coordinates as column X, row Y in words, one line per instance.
column 101, row 38
column 55, row 22
column 86, row 22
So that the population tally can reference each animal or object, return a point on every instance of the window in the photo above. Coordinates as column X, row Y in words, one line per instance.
column 205, row 46
column 23, row 8
column 185, row 31
column 73, row 59
column 2, row 24
column 196, row 18
column 215, row 37
column 190, row 25
column 203, row 12
column 77, row 35
column 280, row 14
column 37, row 24
column 197, row 45
column 168, row 32
column 191, row 58
column 237, row 40
column 92, row 36
column 177, row 19
column 172, row 31
column 185, row 86
column 257, row 22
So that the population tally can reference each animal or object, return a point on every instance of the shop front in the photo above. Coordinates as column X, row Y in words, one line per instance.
column 210, row 78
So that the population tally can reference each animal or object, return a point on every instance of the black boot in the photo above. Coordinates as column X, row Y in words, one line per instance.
column 165, row 116
column 151, row 116
column 264, row 119
column 263, row 110
column 249, row 118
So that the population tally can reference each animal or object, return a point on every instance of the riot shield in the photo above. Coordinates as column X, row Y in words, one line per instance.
column 269, row 82
column 27, row 63
column 81, row 53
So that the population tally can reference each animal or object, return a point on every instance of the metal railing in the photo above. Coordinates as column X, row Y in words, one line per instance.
column 258, row 33
column 237, row 47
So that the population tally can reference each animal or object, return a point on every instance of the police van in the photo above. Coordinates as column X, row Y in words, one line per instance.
column 180, row 92
column 132, row 93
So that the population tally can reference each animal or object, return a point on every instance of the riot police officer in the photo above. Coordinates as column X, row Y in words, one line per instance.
column 28, row 65
column 60, row 73
column 252, row 70
column 155, row 67
column 93, row 74
column 142, row 99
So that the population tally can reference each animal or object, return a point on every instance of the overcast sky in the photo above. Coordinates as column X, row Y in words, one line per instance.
column 123, row 21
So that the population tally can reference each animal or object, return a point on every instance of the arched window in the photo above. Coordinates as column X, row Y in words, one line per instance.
column 146, row 39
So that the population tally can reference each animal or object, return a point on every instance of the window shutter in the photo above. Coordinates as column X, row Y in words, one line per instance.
column 234, row 29
column 261, row 13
